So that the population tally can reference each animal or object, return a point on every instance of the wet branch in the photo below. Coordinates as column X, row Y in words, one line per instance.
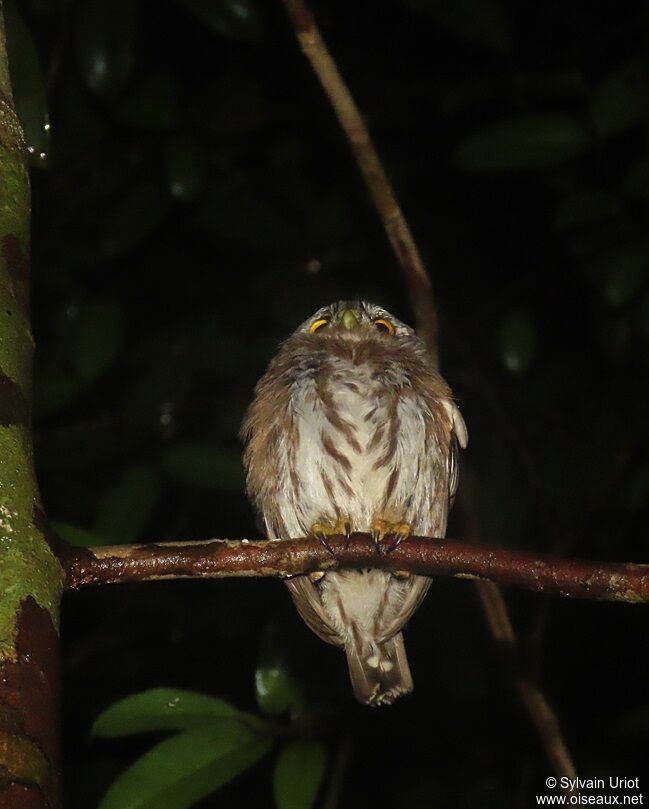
column 217, row 558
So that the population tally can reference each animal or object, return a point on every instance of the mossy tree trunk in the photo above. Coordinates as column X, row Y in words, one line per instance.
column 30, row 573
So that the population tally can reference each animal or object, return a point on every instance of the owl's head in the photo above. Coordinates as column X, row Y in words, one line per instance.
column 354, row 319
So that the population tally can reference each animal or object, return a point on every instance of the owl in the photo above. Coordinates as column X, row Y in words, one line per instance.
column 353, row 429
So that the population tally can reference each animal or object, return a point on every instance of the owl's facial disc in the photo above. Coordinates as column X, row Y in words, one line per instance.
column 355, row 320
column 346, row 319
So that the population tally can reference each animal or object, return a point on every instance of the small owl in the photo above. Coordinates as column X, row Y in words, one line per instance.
column 353, row 429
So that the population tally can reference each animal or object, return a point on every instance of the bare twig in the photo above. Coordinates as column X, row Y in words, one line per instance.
column 537, row 706
column 539, row 710
column 421, row 293
column 289, row 557
column 383, row 196
column 339, row 767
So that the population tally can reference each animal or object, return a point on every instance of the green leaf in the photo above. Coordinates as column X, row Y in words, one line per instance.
column 86, row 341
column 184, row 167
column 27, row 83
column 549, row 81
column 95, row 336
column 636, row 182
column 614, row 332
column 275, row 684
column 299, row 770
column 204, row 465
column 105, row 42
column 161, row 709
column 153, row 102
column 623, row 272
column 236, row 19
column 530, row 142
column 53, row 391
column 182, row 770
column 76, row 535
column 135, row 220
column 126, row 507
column 642, row 316
column 621, row 100
column 479, row 22
column 81, row 447
column 587, row 207
column 232, row 105
column 517, row 341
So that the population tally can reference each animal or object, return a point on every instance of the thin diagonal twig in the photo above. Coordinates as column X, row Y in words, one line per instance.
column 536, row 704
column 538, row 708
column 423, row 301
column 376, row 180
column 339, row 767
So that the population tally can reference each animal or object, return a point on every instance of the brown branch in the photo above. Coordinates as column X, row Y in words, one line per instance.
column 540, row 712
column 545, row 574
column 538, row 708
column 599, row 581
column 421, row 294
column 338, row 772
column 376, row 180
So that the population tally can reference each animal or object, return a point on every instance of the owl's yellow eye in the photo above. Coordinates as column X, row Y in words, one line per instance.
column 318, row 324
column 384, row 326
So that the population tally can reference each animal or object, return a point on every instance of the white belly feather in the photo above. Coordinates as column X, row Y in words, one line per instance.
column 357, row 490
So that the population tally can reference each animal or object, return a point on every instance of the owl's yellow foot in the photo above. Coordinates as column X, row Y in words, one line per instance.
column 323, row 529
column 389, row 535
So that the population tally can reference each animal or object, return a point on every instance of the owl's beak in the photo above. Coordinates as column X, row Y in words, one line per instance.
column 350, row 319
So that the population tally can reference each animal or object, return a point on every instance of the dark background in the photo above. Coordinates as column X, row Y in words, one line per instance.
column 197, row 201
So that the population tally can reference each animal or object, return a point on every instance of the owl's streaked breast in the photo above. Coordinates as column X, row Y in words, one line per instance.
column 352, row 420
column 365, row 446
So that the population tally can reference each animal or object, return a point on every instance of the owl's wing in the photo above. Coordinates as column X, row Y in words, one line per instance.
column 418, row 585
column 307, row 600
column 459, row 440
column 453, row 470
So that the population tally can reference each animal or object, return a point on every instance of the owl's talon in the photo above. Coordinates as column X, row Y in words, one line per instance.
column 323, row 530
column 401, row 532
column 347, row 531
column 382, row 529
column 322, row 537
column 379, row 532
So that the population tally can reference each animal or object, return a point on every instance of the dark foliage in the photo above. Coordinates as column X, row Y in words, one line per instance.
column 196, row 203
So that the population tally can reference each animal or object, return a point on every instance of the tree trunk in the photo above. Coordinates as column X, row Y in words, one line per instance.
column 30, row 574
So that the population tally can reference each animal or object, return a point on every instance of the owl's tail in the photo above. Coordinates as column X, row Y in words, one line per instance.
column 379, row 671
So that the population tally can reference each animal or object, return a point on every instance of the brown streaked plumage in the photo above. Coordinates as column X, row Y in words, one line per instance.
column 351, row 425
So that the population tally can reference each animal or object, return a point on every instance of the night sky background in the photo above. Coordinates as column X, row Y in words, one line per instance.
column 197, row 201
